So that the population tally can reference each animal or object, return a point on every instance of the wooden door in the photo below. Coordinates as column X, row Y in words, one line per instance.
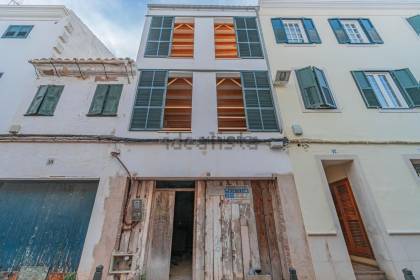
column 231, row 241
column 159, row 261
column 350, row 220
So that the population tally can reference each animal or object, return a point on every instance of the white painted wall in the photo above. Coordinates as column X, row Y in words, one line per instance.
column 49, row 22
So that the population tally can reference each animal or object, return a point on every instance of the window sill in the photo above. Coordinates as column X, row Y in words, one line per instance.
column 101, row 116
column 30, row 115
column 362, row 45
column 399, row 110
column 303, row 45
column 322, row 110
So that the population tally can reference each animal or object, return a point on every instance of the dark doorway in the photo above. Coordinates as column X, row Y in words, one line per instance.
column 182, row 236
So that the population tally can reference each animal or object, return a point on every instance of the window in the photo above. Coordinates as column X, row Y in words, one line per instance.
column 245, row 102
column 388, row 89
column 1, row 74
column 17, row 31
column 159, row 38
column 316, row 93
column 225, row 39
column 415, row 23
column 105, row 101
column 183, row 39
column 248, row 38
column 295, row 31
column 416, row 165
column 45, row 101
column 163, row 101
column 355, row 31
column 169, row 36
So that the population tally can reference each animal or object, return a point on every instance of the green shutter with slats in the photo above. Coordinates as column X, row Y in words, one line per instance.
column 370, row 31
column 160, row 36
column 112, row 100
column 311, row 32
column 414, row 21
column 259, row 105
column 36, row 102
column 50, row 101
column 327, row 98
column 366, row 89
column 309, row 89
column 248, row 38
column 279, row 31
column 408, row 86
column 150, row 101
column 339, row 31
column 98, row 100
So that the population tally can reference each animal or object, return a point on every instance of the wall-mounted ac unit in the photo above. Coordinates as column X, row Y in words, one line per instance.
column 282, row 77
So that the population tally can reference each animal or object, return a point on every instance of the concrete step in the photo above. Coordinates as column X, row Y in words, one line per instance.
column 368, row 272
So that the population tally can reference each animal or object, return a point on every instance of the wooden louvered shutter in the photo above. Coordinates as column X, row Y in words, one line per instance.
column 366, row 89
column 408, row 85
column 414, row 21
column 328, row 100
column 98, row 100
column 50, row 101
column 370, row 30
column 339, row 31
column 279, row 31
column 309, row 89
column 160, row 35
column 259, row 106
column 36, row 102
column 112, row 100
column 248, row 38
column 350, row 220
column 311, row 32
column 183, row 40
column 149, row 103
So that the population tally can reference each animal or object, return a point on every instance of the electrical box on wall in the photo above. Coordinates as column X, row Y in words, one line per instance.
column 282, row 77
column 121, row 263
column 137, row 210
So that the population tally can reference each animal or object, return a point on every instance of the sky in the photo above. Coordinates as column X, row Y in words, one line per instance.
column 119, row 23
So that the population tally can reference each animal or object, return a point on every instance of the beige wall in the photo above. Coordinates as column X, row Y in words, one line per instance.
column 384, row 183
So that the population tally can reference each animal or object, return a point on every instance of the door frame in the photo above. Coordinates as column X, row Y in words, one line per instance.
column 369, row 210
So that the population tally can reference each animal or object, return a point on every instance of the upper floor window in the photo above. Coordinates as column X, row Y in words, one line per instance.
column 316, row 93
column 245, row 102
column 388, row 89
column 170, row 36
column 355, row 31
column 248, row 37
column 163, row 101
column 18, row 31
column 105, row 101
column 225, row 38
column 45, row 101
column 416, row 165
column 295, row 31
column 415, row 23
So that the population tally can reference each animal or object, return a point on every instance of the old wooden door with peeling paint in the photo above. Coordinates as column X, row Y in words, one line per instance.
column 231, row 241
column 159, row 260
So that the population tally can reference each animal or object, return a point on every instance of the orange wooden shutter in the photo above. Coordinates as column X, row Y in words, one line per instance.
column 183, row 40
column 350, row 220
column 178, row 104
column 225, row 40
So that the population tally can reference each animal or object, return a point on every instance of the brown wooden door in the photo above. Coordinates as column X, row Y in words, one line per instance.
column 350, row 220
column 159, row 261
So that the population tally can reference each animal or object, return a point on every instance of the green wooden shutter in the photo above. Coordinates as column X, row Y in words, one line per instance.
column 339, row 31
column 112, row 100
column 408, row 85
column 50, row 101
column 248, row 38
column 309, row 89
column 160, row 36
column 328, row 100
column 259, row 105
column 311, row 32
column 414, row 21
column 150, row 101
column 366, row 90
column 98, row 100
column 36, row 102
column 279, row 31
column 370, row 31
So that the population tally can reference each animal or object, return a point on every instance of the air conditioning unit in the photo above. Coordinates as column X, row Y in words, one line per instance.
column 282, row 77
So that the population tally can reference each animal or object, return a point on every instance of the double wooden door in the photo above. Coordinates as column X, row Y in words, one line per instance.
column 350, row 220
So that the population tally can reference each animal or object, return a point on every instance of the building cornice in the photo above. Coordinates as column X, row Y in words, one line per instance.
column 201, row 7
column 341, row 4
column 31, row 12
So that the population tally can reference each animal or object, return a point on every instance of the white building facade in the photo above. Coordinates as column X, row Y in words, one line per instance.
column 178, row 165
column 350, row 110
